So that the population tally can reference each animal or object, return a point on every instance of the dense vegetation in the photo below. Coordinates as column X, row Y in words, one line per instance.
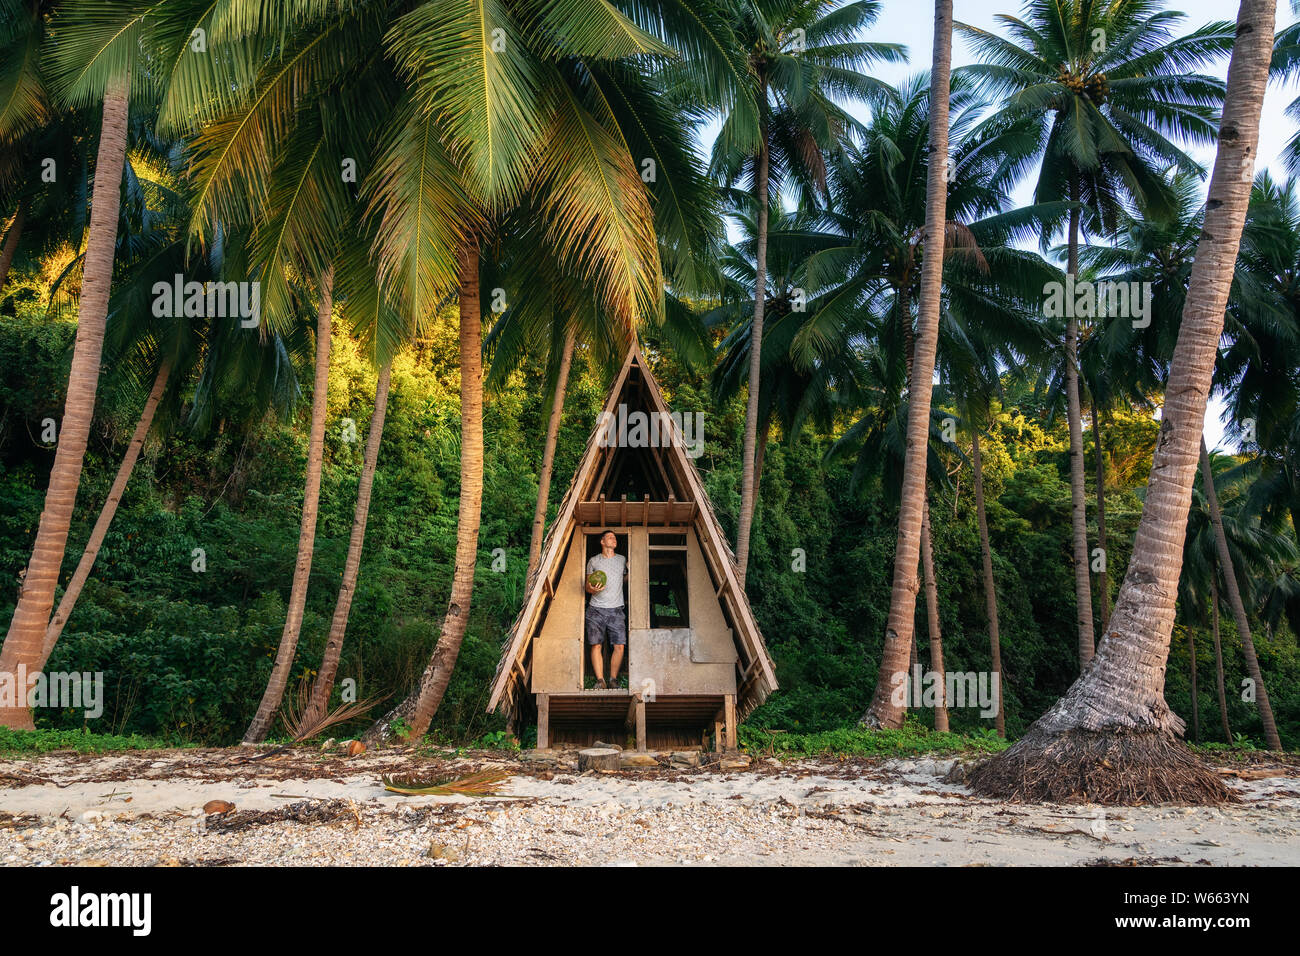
column 186, row 654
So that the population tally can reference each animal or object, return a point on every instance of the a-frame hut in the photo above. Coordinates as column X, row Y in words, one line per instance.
column 696, row 663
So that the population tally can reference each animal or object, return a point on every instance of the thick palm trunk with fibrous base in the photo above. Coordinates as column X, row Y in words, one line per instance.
column 885, row 710
column 1235, row 604
column 548, row 455
column 748, row 488
column 990, row 590
column 1218, row 661
column 1103, row 585
column 932, row 619
column 10, row 247
column 420, row 707
column 1078, row 496
column 279, row 679
column 25, row 641
column 106, row 514
column 1112, row 738
column 318, row 704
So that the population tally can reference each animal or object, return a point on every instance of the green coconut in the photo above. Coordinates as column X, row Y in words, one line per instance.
column 596, row 579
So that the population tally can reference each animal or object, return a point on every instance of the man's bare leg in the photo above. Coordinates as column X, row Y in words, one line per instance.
column 615, row 663
column 598, row 660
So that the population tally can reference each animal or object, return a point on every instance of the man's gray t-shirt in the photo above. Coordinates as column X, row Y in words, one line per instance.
column 612, row 594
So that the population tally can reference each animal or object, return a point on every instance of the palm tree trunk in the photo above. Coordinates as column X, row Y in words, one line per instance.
column 763, row 436
column 420, row 707
column 548, row 454
column 747, row 487
column 932, row 618
column 10, row 247
column 106, row 514
column 25, row 639
column 1235, row 603
column 1078, row 507
column 990, row 591
column 279, row 680
column 1103, row 587
column 1196, row 703
column 1112, row 736
column 1218, row 660
column 318, row 705
column 900, row 626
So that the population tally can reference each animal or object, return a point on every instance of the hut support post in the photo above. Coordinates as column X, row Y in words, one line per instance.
column 729, row 707
column 543, row 721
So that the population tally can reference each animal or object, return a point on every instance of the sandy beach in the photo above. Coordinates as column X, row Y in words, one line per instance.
column 321, row 808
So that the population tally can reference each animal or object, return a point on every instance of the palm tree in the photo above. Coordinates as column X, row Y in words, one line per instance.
column 990, row 588
column 1123, row 365
column 96, row 53
column 559, row 156
column 800, row 54
column 1108, row 85
column 279, row 679
column 1251, row 544
column 1113, row 736
column 873, row 257
column 24, row 642
column 149, row 348
column 884, row 710
column 1235, row 603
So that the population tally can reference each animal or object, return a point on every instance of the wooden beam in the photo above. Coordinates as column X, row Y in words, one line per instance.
column 640, row 724
column 729, row 706
column 543, row 721
column 645, row 513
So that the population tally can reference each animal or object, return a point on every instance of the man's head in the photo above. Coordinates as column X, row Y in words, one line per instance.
column 609, row 539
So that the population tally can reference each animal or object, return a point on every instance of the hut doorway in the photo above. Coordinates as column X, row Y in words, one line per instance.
column 592, row 549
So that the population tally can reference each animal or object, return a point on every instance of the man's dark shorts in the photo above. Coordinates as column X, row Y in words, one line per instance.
column 605, row 622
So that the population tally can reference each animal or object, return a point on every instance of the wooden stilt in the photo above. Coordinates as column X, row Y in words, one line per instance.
column 729, row 706
column 543, row 721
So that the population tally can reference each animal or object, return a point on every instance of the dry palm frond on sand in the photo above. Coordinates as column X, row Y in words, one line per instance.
column 300, row 729
column 481, row 784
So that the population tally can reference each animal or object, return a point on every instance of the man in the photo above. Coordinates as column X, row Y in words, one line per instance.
column 605, row 616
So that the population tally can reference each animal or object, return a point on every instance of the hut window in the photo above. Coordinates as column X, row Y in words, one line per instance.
column 669, row 606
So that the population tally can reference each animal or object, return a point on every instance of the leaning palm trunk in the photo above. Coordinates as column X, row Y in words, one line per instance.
column 932, row 619
column 1235, row 604
column 1218, row 660
column 1078, row 499
column 318, row 706
column 10, row 247
column 24, row 643
column 748, row 491
column 420, row 707
column 1103, row 587
column 106, row 514
column 990, row 592
column 548, row 455
column 886, row 710
column 1112, row 738
column 279, row 679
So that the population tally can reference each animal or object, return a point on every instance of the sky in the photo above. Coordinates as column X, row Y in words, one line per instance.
column 911, row 23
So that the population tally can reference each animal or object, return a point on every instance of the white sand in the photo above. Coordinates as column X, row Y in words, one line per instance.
column 146, row 807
